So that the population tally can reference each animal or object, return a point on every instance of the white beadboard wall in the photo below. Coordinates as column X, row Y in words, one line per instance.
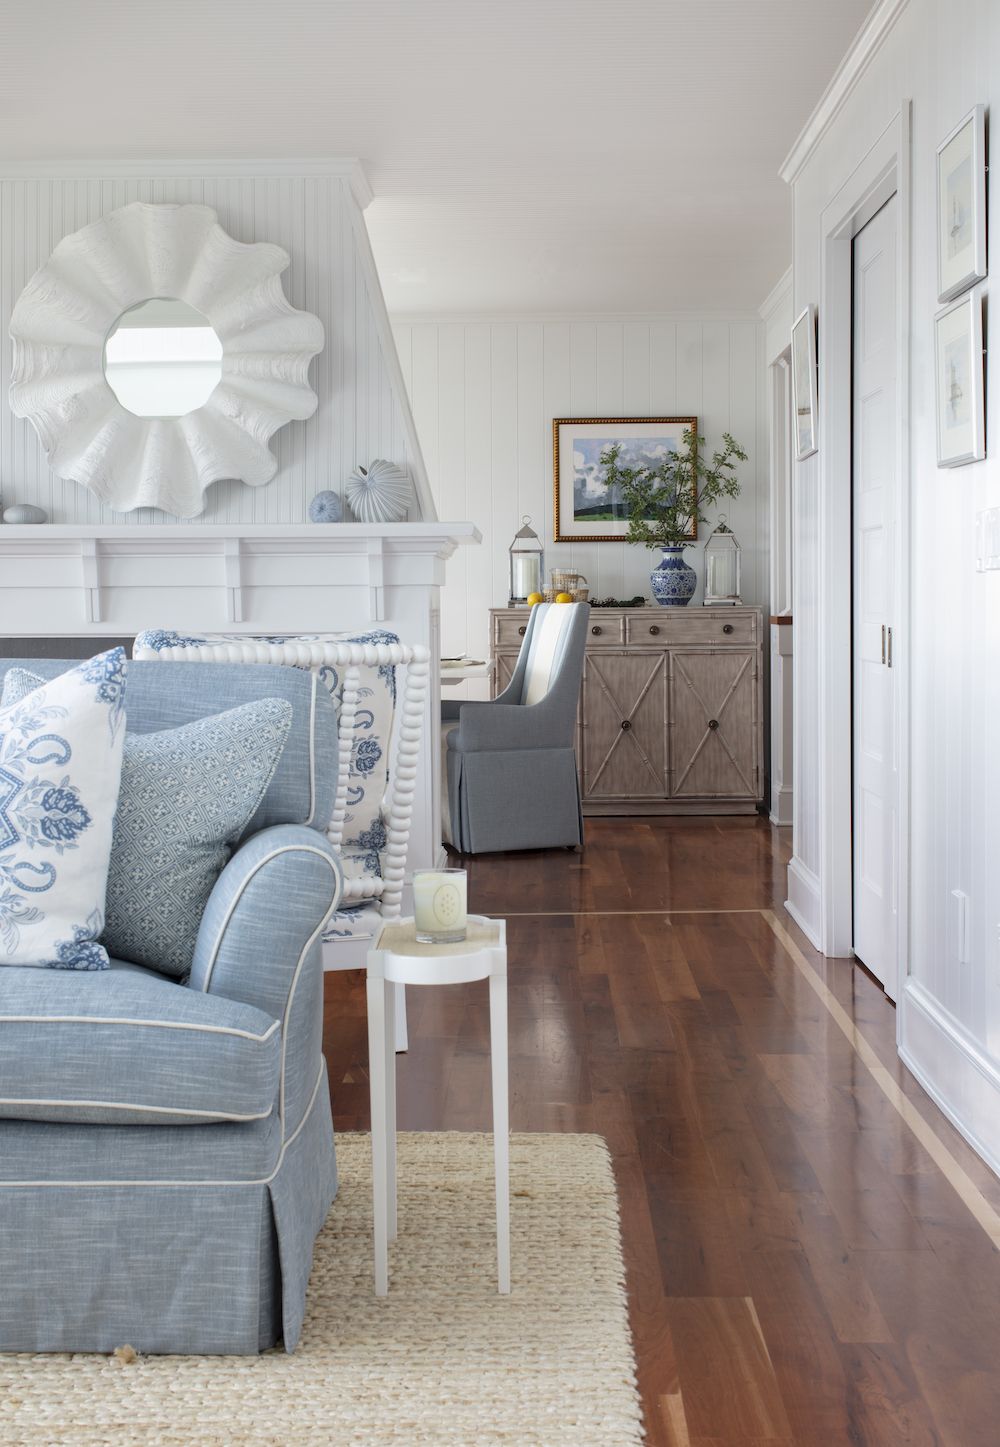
column 310, row 215
column 484, row 393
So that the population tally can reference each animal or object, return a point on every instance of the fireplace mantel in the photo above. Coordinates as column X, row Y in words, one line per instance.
column 61, row 580
column 68, row 581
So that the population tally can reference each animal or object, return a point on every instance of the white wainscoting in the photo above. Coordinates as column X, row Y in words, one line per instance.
column 313, row 216
column 934, row 60
column 484, row 393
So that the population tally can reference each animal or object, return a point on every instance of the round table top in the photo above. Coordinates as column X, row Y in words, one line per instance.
column 399, row 937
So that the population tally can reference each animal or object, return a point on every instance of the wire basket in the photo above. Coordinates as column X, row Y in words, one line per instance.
column 564, row 581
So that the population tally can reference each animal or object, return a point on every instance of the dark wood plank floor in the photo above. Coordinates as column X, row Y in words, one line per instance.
column 800, row 1269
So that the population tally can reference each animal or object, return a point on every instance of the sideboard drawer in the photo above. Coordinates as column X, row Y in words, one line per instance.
column 685, row 626
column 605, row 630
column 643, row 631
column 509, row 628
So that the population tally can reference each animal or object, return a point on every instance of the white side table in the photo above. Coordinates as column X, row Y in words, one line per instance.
column 397, row 958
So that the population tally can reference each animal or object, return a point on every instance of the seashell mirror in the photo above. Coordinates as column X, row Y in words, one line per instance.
column 155, row 355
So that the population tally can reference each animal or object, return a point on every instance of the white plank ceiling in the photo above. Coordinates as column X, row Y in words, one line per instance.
column 542, row 156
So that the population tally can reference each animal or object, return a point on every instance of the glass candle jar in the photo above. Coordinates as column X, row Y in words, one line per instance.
column 440, row 905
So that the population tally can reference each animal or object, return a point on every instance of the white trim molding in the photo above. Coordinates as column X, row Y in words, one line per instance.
column 803, row 902
column 859, row 57
column 953, row 1068
column 779, row 296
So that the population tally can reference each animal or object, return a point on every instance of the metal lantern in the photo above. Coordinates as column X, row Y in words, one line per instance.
column 722, row 567
column 527, row 564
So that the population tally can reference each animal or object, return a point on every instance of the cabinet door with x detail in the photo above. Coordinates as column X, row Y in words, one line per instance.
column 624, row 738
column 713, row 724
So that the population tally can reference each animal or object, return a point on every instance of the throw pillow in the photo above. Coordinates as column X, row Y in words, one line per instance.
column 60, row 768
column 187, row 794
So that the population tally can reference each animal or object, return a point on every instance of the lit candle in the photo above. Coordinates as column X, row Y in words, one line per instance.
column 440, row 905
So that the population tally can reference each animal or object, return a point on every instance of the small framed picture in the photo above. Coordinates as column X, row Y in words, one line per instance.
column 805, row 397
column 961, row 206
column 585, row 508
column 958, row 352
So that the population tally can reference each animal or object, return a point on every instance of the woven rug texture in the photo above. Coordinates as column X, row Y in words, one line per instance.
column 444, row 1359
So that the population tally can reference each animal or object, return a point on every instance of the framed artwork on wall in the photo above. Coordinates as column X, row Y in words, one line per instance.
column 961, row 206
column 958, row 353
column 585, row 510
column 805, row 397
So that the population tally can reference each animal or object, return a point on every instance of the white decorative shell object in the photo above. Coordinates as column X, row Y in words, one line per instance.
column 66, row 311
column 380, row 493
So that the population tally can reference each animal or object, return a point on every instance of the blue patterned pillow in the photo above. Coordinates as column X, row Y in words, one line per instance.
column 60, row 767
column 187, row 794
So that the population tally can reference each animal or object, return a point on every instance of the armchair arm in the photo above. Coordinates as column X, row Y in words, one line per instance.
column 273, row 896
column 501, row 726
column 259, row 942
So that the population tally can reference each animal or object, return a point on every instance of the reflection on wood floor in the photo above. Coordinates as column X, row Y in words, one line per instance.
column 808, row 1241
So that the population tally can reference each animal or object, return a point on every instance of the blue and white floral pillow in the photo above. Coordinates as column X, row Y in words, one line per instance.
column 60, row 771
column 364, row 834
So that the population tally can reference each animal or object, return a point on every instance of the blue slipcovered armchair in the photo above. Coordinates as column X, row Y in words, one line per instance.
column 166, row 1148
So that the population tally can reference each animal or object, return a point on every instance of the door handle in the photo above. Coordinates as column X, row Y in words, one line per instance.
column 889, row 660
column 883, row 642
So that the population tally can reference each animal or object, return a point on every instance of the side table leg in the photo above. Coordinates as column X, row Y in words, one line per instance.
column 392, row 994
column 402, row 1034
column 377, row 1080
column 501, row 1125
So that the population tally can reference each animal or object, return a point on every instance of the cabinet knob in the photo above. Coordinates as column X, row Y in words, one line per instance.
column 597, row 631
column 713, row 723
column 727, row 628
column 654, row 627
column 522, row 630
column 626, row 724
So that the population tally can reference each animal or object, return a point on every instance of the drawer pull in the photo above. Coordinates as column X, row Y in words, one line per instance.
column 727, row 628
column 597, row 631
column 626, row 724
column 713, row 723
column 522, row 630
column 654, row 628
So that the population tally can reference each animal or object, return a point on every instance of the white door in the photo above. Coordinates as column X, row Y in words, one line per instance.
column 874, row 506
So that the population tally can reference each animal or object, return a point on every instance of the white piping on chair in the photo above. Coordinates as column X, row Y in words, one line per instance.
column 244, row 886
column 195, row 1185
column 135, row 1105
column 152, row 1024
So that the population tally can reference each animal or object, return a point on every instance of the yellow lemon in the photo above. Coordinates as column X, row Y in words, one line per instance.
column 564, row 597
column 534, row 598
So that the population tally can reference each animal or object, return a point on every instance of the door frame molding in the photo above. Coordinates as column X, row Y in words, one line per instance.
column 882, row 172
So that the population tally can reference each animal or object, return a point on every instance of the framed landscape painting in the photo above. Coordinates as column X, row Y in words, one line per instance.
column 961, row 206
column 585, row 509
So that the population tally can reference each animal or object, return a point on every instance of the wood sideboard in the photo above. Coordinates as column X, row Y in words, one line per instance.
column 671, row 707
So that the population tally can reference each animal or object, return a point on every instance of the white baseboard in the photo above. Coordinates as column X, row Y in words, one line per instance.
column 781, row 805
column 960, row 1078
column 803, row 902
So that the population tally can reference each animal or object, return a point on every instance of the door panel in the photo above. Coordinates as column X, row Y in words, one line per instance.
column 714, row 732
column 874, row 485
column 624, row 741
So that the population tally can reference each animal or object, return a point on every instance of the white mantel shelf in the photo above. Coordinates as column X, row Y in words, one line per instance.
column 61, row 579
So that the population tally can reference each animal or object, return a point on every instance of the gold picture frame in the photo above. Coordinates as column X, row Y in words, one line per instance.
column 579, row 513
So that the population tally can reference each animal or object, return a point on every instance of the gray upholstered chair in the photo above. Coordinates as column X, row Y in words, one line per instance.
column 510, row 764
column 166, row 1146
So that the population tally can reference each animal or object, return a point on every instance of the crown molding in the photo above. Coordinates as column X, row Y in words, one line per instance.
column 776, row 297
column 512, row 318
column 348, row 168
column 861, row 53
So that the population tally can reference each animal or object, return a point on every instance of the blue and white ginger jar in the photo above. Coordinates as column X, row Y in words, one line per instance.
column 674, row 581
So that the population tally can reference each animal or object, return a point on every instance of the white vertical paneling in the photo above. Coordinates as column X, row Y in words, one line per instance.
column 484, row 395
column 358, row 416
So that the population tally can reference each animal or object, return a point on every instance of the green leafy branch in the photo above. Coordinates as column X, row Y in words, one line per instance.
column 662, row 501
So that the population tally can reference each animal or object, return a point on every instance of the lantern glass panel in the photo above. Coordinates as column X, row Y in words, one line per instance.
column 722, row 566
column 527, row 563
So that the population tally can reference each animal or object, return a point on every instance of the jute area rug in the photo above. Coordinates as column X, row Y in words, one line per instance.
column 443, row 1359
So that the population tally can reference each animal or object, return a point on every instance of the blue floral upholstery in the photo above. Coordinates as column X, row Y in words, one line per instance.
column 364, row 828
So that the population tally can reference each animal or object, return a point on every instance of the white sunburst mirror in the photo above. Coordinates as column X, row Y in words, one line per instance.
column 155, row 355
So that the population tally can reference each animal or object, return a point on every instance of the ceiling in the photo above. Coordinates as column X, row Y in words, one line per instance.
column 526, row 155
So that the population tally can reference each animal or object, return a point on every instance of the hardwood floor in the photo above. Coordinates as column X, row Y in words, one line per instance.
column 804, row 1261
